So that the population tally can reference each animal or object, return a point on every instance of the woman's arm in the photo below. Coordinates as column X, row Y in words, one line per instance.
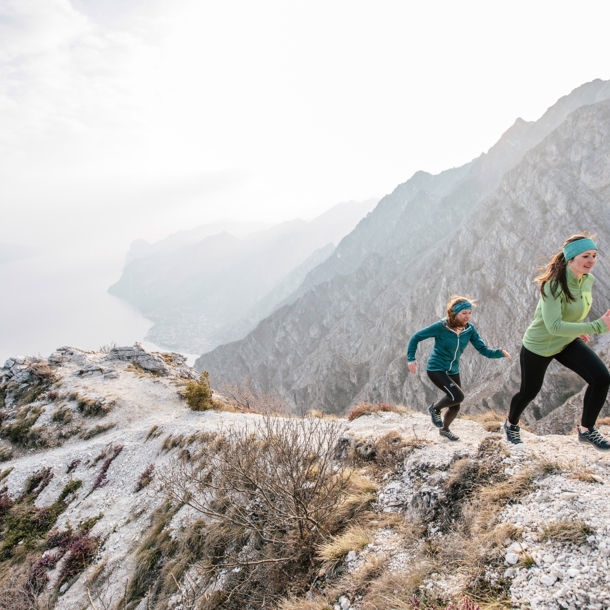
column 551, row 315
column 482, row 348
column 420, row 335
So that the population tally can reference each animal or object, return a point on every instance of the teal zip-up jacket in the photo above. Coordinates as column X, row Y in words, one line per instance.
column 449, row 346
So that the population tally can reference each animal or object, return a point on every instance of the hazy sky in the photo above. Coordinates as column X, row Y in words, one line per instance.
column 133, row 118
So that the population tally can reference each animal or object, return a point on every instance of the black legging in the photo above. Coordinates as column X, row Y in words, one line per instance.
column 578, row 357
column 452, row 386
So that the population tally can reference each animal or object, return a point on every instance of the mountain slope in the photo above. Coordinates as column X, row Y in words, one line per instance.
column 198, row 293
column 345, row 340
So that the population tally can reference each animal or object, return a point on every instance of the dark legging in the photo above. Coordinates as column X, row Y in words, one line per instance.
column 451, row 385
column 579, row 358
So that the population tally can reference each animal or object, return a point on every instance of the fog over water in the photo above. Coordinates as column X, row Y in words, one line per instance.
column 60, row 298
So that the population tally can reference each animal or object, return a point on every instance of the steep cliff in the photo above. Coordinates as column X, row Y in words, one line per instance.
column 344, row 340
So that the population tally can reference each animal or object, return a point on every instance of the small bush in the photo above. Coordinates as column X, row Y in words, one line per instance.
column 71, row 488
column 25, row 524
column 81, row 551
column 19, row 432
column 367, row 408
column 266, row 489
column 101, row 478
column 63, row 415
column 5, row 454
column 91, row 407
column 198, row 394
column 145, row 478
column 391, row 450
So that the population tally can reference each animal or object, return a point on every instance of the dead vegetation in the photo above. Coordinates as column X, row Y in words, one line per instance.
column 575, row 532
column 97, row 430
column 268, row 497
column 490, row 420
column 368, row 408
column 244, row 398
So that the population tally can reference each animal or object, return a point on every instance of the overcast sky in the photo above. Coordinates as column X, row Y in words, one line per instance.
column 134, row 118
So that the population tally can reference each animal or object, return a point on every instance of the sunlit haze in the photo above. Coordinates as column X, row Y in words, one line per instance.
column 125, row 119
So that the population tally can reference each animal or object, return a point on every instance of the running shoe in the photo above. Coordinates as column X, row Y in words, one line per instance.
column 593, row 437
column 437, row 420
column 513, row 433
column 448, row 434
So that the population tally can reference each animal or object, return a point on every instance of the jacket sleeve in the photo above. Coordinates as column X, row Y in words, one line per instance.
column 420, row 335
column 551, row 315
column 480, row 346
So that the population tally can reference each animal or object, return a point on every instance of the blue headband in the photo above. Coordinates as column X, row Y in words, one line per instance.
column 574, row 248
column 461, row 306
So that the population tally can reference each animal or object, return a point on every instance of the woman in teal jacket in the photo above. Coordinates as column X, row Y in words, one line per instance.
column 558, row 332
column 451, row 337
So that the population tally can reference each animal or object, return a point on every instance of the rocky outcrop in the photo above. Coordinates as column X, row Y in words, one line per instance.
column 101, row 530
column 344, row 340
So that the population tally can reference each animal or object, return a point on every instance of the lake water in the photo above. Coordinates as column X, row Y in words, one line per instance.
column 60, row 299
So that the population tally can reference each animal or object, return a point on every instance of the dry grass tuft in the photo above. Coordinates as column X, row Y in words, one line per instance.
column 490, row 420
column 368, row 408
column 353, row 539
column 603, row 421
column 396, row 590
column 586, row 475
column 575, row 532
column 550, row 466
column 294, row 603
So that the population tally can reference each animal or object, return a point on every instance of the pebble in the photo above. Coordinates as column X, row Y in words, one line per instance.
column 512, row 558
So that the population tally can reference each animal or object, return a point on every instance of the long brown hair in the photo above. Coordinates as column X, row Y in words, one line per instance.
column 554, row 272
column 454, row 299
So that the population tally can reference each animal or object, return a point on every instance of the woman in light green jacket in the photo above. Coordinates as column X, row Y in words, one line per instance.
column 558, row 332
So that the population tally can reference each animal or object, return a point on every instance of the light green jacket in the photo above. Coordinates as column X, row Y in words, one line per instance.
column 558, row 322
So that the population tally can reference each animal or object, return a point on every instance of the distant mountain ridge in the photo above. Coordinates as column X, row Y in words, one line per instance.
column 213, row 290
column 479, row 229
column 141, row 248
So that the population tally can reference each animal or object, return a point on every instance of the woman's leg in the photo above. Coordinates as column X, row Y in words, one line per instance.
column 453, row 393
column 451, row 412
column 533, row 368
column 580, row 358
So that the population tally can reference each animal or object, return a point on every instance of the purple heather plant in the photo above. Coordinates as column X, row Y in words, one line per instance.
column 101, row 479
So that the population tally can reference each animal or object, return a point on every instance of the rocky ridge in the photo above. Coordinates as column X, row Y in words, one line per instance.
column 548, row 481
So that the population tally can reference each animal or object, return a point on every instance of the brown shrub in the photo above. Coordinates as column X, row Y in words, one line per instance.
column 274, row 488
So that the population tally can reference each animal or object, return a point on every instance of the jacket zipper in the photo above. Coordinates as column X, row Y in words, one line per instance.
column 457, row 347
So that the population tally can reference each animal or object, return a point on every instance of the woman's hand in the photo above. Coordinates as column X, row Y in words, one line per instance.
column 506, row 354
column 585, row 338
column 412, row 367
column 606, row 318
